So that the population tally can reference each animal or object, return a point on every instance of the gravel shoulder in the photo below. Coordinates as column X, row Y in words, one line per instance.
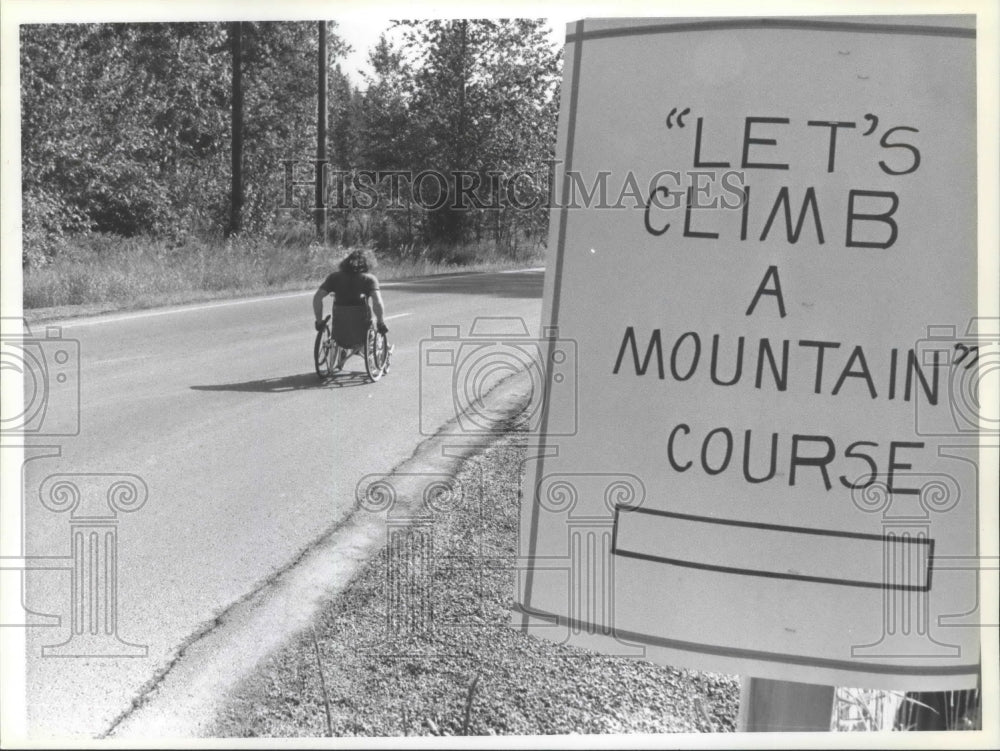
column 420, row 643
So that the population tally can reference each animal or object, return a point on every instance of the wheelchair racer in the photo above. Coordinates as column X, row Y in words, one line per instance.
column 350, row 284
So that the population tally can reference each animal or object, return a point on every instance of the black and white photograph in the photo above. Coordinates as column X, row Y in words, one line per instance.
column 499, row 374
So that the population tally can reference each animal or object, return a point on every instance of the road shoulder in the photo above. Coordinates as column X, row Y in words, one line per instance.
column 420, row 643
column 183, row 698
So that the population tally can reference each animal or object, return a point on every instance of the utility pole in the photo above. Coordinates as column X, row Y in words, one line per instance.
column 321, row 115
column 236, row 49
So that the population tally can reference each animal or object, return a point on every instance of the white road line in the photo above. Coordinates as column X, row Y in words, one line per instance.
column 447, row 277
column 398, row 315
column 187, row 309
column 208, row 306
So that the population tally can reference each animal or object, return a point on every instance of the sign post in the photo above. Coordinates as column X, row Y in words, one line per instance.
column 783, row 706
column 763, row 247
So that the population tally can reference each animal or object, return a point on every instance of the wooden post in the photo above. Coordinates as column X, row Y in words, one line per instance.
column 783, row 706
column 321, row 116
column 236, row 51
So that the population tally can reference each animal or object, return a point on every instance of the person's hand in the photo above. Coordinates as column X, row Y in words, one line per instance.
column 320, row 325
column 382, row 328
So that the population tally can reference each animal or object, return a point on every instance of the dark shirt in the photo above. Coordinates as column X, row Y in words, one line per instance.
column 349, row 289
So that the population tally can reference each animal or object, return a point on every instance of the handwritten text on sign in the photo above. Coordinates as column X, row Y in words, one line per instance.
column 826, row 365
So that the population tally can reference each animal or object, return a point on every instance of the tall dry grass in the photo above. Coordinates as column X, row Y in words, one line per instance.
column 137, row 273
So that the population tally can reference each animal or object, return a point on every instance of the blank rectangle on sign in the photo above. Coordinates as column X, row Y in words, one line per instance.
column 898, row 559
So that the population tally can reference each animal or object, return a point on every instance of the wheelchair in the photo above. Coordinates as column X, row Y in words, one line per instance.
column 350, row 330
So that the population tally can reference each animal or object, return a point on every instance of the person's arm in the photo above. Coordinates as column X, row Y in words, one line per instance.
column 318, row 305
column 378, row 306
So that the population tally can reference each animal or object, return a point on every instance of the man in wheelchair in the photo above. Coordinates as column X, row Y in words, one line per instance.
column 352, row 285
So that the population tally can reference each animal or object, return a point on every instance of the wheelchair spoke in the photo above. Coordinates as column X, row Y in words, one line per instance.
column 375, row 357
column 321, row 353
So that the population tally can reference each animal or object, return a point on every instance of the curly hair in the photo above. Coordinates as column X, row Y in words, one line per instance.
column 358, row 262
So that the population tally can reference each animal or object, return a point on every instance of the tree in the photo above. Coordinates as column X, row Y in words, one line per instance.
column 386, row 139
column 126, row 127
column 481, row 102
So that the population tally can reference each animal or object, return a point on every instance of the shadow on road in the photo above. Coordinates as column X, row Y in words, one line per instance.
column 300, row 382
column 524, row 285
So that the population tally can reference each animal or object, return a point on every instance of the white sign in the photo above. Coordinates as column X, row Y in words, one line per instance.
column 764, row 249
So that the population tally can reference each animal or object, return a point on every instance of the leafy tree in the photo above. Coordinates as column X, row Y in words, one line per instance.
column 481, row 102
column 125, row 127
column 386, row 141
column 280, row 99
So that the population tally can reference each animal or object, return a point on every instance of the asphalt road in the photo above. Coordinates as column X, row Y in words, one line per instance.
column 247, row 459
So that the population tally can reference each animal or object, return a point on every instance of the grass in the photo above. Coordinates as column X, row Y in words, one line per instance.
column 871, row 710
column 384, row 663
column 102, row 273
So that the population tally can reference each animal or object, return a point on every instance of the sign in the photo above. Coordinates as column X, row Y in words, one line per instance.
column 763, row 246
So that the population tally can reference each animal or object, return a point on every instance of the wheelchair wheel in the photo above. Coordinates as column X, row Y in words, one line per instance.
column 376, row 354
column 324, row 352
